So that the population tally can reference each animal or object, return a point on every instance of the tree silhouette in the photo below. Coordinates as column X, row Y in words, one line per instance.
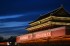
column 1, row 39
column 12, row 40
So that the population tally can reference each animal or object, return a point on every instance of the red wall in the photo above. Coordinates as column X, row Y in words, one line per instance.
column 60, row 31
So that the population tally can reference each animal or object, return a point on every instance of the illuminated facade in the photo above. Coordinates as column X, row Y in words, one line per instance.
column 55, row 24
column 58, row 17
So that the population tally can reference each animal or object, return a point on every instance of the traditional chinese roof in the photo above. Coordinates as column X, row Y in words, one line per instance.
column 61, row 12
column 59, row 17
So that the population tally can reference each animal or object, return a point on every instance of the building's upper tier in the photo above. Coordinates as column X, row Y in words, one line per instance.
column 51, row 18
column 59, row 14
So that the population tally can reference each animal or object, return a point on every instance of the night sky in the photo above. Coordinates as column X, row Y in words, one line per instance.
column 16, row 14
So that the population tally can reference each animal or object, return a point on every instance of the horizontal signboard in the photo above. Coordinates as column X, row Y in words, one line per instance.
column 42, row 34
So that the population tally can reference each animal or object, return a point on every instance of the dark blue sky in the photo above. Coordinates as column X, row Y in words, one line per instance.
column 16, row 14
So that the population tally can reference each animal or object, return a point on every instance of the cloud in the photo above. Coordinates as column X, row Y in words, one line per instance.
column 12, row 31
column 28, row 16
column 10, row 16
column 12, row 28
column 13, row 24
column 21, row 31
